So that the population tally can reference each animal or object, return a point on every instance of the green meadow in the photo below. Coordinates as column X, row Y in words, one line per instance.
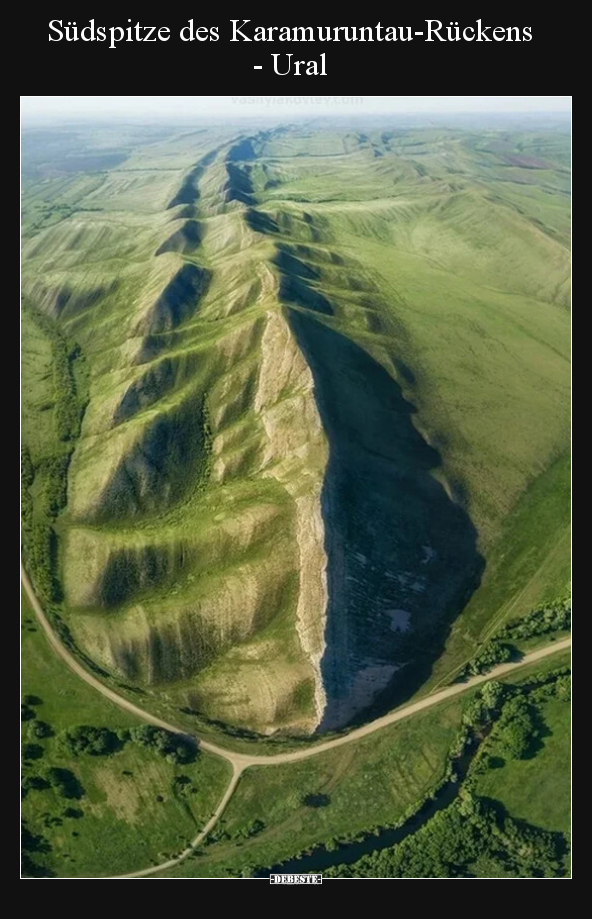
column 123, row 811
column 279, row 811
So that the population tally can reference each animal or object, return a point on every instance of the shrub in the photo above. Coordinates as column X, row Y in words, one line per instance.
column 73, row 813
column 251, row 829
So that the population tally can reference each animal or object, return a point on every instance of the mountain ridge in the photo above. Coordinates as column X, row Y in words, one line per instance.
column 264, row 522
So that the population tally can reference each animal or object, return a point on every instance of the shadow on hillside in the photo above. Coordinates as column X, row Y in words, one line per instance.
column 238, row 186
column 402, row 556
column 189, row 194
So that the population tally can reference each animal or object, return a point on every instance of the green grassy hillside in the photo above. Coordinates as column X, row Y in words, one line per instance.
column 119, row 811
column 324, row 377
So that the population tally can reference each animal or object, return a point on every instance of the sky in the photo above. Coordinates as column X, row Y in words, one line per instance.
column 65, row 108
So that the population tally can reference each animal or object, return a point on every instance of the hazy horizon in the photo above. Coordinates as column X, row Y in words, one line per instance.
column 192, row 108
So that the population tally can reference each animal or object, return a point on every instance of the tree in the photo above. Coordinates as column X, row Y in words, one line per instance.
column 491, row 654
column 30, row 699
column 41, row 729
column 32, row 751
column 65, row 782
column 493, row 693
column 177, row 748
column 516, row 728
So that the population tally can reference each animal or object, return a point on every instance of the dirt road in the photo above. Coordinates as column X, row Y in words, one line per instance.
column 242, row 761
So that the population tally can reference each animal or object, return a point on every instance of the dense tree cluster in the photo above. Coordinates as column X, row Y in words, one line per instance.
column 516, row 729
column 68, row 408
column 558, row 689
column 27, row 479
column 475, row 834
column 68, row 411
column 41, row 553
column 555, row 617
column 555, row 684
column 177, row 748
column 457, row 838
column 480, row 712
column 55, row 479
column 91, row 740
column 38, row 536
column 33, row 844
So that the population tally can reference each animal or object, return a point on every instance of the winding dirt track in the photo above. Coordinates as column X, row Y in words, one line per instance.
column 242, row 761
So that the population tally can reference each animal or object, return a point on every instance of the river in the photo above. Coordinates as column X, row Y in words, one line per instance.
column 320, row 858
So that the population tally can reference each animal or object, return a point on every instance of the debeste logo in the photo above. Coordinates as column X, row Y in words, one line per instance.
column 296, row 878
